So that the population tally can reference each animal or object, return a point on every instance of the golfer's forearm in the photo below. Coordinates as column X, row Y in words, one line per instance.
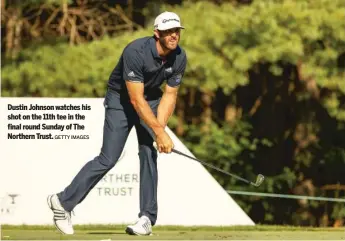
column 145, row 113
column 166, row 108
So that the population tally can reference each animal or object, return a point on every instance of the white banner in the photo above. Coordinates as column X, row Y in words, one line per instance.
column 45, row 141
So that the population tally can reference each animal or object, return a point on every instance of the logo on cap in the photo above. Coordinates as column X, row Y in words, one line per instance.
column 171, row 19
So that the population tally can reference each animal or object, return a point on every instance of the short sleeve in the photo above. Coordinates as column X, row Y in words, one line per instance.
column 176, row 78
column 132, row 65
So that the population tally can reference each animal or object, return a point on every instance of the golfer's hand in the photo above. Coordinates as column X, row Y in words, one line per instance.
column 164, row 143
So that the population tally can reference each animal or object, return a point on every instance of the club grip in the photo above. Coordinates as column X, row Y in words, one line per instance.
column 172, row 150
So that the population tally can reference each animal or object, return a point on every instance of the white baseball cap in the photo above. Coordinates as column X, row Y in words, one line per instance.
column 167, row 20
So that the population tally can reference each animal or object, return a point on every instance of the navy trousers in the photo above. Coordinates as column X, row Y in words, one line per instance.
column 120, row 117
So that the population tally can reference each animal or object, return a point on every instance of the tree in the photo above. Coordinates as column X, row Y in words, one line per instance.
column 34, row 21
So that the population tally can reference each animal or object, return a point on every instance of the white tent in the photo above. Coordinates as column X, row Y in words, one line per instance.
column 32, row 169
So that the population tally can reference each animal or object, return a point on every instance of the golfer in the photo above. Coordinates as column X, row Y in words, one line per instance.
column 134, row 98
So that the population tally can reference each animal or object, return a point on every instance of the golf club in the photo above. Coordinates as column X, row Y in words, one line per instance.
column 259, row 179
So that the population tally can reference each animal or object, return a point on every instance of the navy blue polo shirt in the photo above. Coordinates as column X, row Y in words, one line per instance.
column 140, row 62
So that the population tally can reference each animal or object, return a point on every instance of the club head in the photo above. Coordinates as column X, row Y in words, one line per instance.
column 259, row 179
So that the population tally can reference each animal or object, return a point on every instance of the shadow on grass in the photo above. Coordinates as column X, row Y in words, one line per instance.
column 106, row 233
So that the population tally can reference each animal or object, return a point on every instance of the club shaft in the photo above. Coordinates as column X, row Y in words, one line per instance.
column 211, row 166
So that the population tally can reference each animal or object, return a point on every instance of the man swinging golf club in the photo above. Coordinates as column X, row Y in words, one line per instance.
column 133, row 98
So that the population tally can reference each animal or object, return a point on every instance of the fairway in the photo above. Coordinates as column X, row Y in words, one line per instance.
column 110, row 232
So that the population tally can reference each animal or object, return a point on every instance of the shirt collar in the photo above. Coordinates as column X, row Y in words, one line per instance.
column 154, row 48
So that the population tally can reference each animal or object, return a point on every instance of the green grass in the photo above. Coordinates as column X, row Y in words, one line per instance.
column 100, row 232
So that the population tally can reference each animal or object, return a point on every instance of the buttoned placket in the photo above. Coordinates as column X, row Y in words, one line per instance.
column 163, row 66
